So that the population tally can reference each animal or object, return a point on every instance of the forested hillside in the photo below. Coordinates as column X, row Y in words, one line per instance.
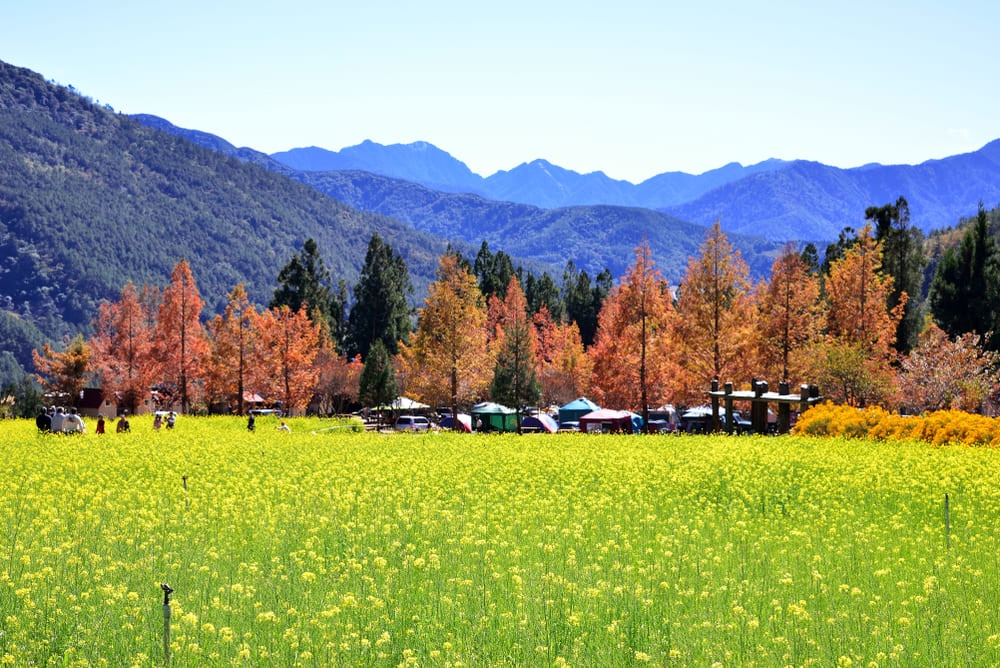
column 91, row 199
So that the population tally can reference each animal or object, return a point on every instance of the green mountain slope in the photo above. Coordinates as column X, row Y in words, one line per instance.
column 90, row 199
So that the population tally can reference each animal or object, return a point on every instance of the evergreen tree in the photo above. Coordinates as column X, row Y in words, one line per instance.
column 377, row 385
column 847, row 238
column 583, row 300
column 515, row 382
column 493, row 271
column 810, row 256
column 380, row 311
column 541, row 292
column 965, row 292
column 306, row 280
column 903, row 259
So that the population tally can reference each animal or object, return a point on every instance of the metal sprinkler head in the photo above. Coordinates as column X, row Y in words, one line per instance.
column 167, row 591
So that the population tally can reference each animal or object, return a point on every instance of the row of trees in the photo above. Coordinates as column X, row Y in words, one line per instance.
column 152, row 345
column 487, row 330
column 838, row 326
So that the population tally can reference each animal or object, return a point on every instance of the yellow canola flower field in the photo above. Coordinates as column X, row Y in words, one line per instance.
column 333, row 548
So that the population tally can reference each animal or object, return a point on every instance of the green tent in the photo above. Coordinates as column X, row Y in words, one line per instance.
column 489, row 416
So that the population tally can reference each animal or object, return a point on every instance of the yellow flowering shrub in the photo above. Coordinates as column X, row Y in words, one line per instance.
column 949, row 427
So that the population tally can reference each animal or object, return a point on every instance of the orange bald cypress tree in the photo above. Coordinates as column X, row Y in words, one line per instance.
column 123, row 354
column 449, row 361
column 563, row 367
column 283, row 363
column 789, row 319
column 855, row 366
column 714, row 328
column 180, row 339
column 515, row 381
column 233, row 338
column 64, row 373
column 631, row 353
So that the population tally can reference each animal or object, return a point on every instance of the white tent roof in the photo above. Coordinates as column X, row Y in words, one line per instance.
column 405, row 404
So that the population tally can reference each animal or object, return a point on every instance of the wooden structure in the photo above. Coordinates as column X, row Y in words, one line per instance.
column 760, row 399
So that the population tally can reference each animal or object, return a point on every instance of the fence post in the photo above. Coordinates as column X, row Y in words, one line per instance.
column 715, row 406
column 729, row 406
column 784, row 410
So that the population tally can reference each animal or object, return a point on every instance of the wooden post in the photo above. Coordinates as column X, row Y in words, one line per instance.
column 715, row 406
column 758, row 414
column 784, row 410
column 729, row 406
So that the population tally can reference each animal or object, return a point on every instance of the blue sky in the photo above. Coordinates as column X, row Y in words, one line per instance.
column 630, row 88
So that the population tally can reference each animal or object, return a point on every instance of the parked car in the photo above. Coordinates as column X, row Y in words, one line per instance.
column 411, row 423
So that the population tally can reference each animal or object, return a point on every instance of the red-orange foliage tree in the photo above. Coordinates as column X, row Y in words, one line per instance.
column 515, row 379
column 943, row 373
column 631, row 353
column 124, row 358
column 714, row 328
column 283, row 367
column 449, row 361
column 64, row 373
column 233, row 338
column 855, row 366
column 789, row 320
column 181, row 344
column 563, row 366
column 338, row 382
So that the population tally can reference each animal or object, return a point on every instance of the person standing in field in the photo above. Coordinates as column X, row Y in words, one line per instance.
column 250, row 423
column 100, row 424
column 57, row 420
column 73, row 423
column 43, row 421
column 123, row 426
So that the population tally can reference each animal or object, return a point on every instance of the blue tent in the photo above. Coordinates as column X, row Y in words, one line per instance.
column 576, row 409
column 541, row 422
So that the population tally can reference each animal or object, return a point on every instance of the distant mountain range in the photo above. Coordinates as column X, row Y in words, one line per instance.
column 90, row 199
column 595, row 237
column 780, row 200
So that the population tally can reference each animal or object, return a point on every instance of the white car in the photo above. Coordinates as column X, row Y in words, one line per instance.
column 411, row 423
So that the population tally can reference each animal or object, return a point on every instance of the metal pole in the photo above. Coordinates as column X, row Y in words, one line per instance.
column 947, row 523
column 167, row 591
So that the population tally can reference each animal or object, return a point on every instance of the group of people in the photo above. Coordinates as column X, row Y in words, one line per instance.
column 252, row 424
column 161, row 419
column 60, row 420
column 57, row 419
